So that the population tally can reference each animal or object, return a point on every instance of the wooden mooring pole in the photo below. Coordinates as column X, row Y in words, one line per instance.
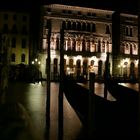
column 139, row 67
column 48, row 78
column 60, row 96
column 91, row 111
column 106, row 75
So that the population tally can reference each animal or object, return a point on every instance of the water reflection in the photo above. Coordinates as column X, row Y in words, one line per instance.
column 33, row 97
column 133, row 86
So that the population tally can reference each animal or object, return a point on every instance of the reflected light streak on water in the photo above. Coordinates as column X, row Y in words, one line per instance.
column 36, row 104
column 133, row 86
column 35, row 99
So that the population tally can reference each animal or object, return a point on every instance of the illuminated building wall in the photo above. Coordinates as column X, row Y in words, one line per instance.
column 125, row 46
column 14, row 30
column 87, row 40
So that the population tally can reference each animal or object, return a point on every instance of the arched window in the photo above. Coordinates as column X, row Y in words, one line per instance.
column 69, row 25
column 74, row 25
column 13, row 57
column 127, row 49
column 83, row 45
column 107, row 29
column 88, row 45
column 71, row 63
column 52, row 46
column 93, row 27
column 73, row 45
column 57, row 43
column 69, row 44
column 23, row 58
column 91, row 68
column 92, row 62
column 88, row 27
column 131, row 31
column 84, row 26
column 103, row 46
column 132, row 71
column 93, row 47
column 78, row 67
column 127, row 31
column 135, row 49
column 78, row 47
column 79, row 26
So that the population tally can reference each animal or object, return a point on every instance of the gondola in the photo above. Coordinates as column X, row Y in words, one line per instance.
column 110, row 117
column 127, row 105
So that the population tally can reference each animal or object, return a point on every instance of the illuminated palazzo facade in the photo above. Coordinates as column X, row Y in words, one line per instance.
column 87, row 41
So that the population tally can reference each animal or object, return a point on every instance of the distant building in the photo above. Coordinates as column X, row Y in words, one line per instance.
column 87, row 38
column 15, row 34
column 89, row 34
column 125, row 45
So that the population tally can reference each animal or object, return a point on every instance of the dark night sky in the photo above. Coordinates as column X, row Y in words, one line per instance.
column 34, row 6
column 124, row 5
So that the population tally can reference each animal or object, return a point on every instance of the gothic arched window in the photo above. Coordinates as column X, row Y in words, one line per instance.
column 93, row 27
column 107, row 29
column 79, row 26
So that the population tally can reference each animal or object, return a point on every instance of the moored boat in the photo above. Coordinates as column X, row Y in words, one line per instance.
column 111, row 117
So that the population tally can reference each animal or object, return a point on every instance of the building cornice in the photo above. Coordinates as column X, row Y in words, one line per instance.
column 129, row 15
column 77, row 8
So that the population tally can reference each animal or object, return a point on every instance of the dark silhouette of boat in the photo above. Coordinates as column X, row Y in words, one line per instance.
column 127, row 105
column 110, row 117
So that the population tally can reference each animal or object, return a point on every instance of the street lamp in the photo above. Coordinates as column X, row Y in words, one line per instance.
column 33, row 62
column 36, row 62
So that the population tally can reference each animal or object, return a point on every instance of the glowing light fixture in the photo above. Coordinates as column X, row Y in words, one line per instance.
column 33, row 62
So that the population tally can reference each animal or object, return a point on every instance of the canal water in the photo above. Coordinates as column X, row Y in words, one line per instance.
column 33, row 98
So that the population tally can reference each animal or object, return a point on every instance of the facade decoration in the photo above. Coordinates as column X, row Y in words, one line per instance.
column 88, row 37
